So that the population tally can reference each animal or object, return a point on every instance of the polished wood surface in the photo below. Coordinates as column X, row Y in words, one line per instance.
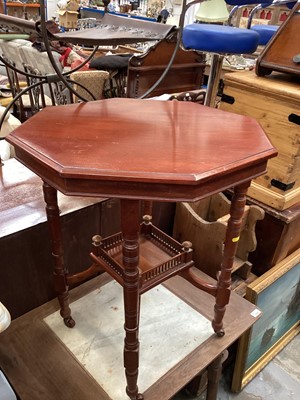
column 171, row 153
column 145, row 69
column 39, row 366
column 22, row 204
column 140, row 150
column 279, row 53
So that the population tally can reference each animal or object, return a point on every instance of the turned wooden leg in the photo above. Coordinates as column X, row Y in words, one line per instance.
column 231, row 241
column 147, row 207
column 214, row 372
column 130, row 229
column 60, row 272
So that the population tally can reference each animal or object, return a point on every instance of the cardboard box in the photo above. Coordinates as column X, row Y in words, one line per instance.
column 68, row 19
column 68, row 13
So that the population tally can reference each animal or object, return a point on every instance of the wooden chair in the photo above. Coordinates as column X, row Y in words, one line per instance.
column 145, row 69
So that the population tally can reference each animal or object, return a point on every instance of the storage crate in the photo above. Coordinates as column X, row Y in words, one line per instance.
column 274, row 101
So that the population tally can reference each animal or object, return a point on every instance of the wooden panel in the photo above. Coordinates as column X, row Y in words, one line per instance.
column 44, row 369
column 39, row 367
column 275, row 103
column 204, row 223
column 284, row 240
column 280, row 201
column 144, row 70
column 283, row 47
column 162, row 216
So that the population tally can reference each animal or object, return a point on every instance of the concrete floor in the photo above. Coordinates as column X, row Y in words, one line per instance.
column 280, row 379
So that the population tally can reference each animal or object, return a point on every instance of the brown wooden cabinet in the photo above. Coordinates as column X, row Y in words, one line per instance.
column 277, row 236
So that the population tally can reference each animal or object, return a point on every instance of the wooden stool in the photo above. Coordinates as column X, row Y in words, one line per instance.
column 139, row 150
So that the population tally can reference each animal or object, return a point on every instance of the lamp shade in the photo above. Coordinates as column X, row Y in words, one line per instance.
column 212, row 11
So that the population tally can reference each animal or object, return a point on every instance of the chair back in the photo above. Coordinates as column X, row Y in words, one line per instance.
column 93, row 81
column 145, row 69
column 52, row 92
column 40, row 60
column 10, row 50
column 12, row 58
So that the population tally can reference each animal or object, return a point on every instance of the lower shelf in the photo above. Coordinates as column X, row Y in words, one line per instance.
column 160, row 256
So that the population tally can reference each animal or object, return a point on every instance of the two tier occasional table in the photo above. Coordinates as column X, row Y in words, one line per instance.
column 137, row 151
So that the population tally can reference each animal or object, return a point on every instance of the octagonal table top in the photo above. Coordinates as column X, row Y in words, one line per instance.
column 168, row 150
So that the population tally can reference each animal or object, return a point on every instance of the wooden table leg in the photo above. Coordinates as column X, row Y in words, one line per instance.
column 231, row 241
column 214, row 372
column 130, row 225
column 60, row 272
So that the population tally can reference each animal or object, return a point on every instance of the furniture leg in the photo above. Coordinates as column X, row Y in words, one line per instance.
column 130, row 229
column 147, row 207
column 231, row 241
column 214, row 371
column 60, row 272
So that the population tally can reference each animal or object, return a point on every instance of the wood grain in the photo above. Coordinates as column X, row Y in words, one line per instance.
column 174, row 150
column 39, row 366
column 271, row 101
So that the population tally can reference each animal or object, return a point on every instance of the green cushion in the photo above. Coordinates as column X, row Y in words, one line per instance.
column 12, row 36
